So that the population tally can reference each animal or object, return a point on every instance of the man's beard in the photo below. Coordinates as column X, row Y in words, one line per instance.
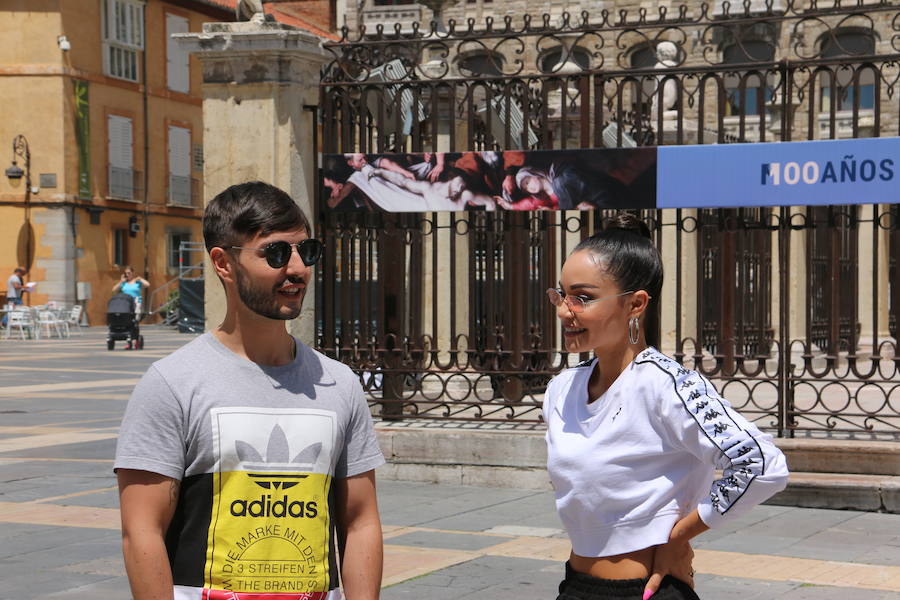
column 265, row 302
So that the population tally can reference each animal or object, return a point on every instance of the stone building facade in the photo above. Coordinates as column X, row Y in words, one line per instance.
column 547, row 75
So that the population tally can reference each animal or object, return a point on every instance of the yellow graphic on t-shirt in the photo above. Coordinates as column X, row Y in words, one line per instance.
column 269, row 533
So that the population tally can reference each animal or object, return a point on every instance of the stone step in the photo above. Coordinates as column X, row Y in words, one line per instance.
column 874, row 493
column 840, row 474
column 841, row 456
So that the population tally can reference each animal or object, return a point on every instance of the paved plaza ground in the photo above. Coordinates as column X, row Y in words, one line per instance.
column 60, row 406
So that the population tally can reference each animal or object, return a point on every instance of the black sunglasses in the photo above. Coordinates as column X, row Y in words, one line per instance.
column 278, row 254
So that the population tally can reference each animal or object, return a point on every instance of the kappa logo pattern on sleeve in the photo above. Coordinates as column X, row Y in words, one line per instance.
column 741, row 457
column 269, row 532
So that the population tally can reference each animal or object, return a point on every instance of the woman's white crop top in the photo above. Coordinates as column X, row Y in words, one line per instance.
column 629, row 465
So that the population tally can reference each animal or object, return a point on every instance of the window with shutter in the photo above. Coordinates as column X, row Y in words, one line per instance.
column 177, row 60
column 123, row 38
column 121, row 157
column 179, row 165
column 120, row 247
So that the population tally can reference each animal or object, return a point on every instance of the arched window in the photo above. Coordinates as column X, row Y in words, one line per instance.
column 555, row 60
column 752, row 48
column 481, row 64
column 643, row 57
column 848, row 43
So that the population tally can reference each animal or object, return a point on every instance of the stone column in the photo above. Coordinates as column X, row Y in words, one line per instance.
column 258, row 77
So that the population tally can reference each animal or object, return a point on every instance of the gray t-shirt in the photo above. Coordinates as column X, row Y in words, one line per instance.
column 11, row 291
column 255, row 448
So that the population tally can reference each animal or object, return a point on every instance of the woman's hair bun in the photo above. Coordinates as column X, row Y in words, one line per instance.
column 627, row 222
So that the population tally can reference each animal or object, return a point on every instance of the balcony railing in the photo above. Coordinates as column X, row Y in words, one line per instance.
column 125, row 184
column 184, row 191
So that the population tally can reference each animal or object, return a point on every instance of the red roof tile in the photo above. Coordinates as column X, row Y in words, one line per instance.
column 311, row 15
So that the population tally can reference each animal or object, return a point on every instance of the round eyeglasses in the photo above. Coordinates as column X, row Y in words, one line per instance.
column 278, row 254
column 576, row 304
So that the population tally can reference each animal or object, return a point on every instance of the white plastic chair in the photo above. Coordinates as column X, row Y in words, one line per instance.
column 22, row 320
column 61, row 314
column 49, row 321
column 72, row 319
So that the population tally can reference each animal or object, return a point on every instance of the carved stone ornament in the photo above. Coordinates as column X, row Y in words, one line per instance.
column 247, row 10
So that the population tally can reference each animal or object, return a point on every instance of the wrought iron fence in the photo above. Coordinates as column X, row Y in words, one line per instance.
column 791, row 311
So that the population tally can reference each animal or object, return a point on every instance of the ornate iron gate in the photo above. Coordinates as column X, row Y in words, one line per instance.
column 444, row 315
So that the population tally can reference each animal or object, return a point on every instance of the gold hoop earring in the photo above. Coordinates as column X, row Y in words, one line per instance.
column 634, row 330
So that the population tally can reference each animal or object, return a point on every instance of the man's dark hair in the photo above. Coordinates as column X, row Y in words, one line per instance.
column 247, row 209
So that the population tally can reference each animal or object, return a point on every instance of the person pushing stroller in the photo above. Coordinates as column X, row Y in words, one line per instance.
column 132, row 285
column 124, row 311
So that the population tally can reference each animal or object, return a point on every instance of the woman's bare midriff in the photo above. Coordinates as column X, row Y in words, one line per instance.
column 631, row 565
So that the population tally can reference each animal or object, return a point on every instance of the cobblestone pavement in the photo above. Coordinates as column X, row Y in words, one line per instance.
column 60, row 406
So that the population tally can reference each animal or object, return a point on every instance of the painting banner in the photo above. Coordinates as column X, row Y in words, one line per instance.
column 858, row 171
column 511, row 180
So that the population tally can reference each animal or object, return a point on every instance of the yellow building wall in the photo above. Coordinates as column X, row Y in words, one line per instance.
column 11, row 256
column 37, row 93
column 33, row 107
column 96, row 265
column 13, row 230
column 82, row 26
column 28, row 31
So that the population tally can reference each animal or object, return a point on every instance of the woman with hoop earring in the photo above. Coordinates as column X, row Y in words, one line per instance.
column 633, row 437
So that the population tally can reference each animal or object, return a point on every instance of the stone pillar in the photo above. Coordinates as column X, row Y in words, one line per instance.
column 258, row 79
column 54, row 261
column 669, row 317
column 797, row 284
column 873, row 244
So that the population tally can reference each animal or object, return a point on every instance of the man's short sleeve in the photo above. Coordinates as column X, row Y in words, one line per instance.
column 151, row 437
column 361, row 451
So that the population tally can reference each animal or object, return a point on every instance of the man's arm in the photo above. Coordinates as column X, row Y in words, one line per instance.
column 335, row 199
column 359, row 536
column 147, row 502
column 389, row 165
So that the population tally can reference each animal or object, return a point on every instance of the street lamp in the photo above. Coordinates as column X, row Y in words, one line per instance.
column 15, row 172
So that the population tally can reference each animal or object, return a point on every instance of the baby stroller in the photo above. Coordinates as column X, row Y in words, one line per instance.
column 122, row 323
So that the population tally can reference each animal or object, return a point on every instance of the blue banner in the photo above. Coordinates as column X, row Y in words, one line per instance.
column 826, row 172
column 858, row 171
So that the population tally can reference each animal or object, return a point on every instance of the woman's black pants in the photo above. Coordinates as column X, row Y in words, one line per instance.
column 578, row 586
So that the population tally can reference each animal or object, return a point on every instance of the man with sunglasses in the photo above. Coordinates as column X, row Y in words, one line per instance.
column 246, row 459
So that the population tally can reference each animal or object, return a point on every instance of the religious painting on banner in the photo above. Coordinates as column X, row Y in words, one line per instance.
column 809, row 173
column 510, row 180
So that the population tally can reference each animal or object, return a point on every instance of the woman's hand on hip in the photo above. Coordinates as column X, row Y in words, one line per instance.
column 675, row 556
column 672, row 558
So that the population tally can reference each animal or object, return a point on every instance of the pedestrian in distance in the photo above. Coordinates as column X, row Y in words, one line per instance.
column 246, row 459
column 15, row 287
column 132, row 285
column 633, row 437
